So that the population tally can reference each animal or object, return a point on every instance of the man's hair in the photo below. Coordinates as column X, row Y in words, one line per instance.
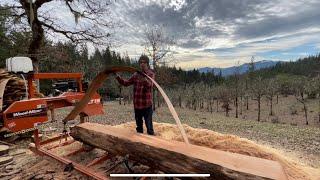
column 144, row 58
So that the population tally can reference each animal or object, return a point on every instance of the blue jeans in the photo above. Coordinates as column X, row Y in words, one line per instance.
column 145, row 113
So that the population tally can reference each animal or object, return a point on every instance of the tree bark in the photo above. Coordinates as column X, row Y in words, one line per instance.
column 194, row 104
column 176, row 157
column 37, row 34
column 227, row 111
column 302, row 101
column 319, row 111
column 304, row 108
column 259, row 105
column 241, row 105
column 217, row 105
column 271, row 108
column 247, row 102
column 305, row 112
column 236, row 107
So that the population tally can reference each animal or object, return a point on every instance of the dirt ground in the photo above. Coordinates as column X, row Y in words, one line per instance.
column 27, row 165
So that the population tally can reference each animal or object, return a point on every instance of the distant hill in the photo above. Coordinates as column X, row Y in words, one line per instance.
column 307, row 66
column 243, row 68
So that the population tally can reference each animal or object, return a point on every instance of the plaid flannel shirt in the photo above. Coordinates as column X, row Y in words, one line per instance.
column 142, row 89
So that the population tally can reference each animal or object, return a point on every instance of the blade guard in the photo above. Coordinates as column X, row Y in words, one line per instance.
column 94, row 106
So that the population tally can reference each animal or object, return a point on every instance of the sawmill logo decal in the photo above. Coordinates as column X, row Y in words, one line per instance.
column 28, row 113
column 94, row 101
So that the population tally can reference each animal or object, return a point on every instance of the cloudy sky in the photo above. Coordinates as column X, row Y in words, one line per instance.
column 221, row 33
column 216, row 33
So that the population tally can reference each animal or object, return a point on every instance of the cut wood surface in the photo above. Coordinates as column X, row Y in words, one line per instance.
column 176, row 157
column 3, row 84
column 13, row 88
column 5, row 159
column 4, row 149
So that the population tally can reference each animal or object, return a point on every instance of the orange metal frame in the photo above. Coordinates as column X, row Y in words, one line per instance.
column 85, row 169
column 15, row 122
column 40, row 149
column 23, row 114
column 66, row 99
column 79, row 167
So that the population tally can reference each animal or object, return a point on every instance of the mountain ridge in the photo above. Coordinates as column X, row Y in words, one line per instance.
column 242, row 68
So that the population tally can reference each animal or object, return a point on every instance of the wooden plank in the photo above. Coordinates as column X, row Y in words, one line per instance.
column 5, row 159
column 176, row 157
column 4, row 149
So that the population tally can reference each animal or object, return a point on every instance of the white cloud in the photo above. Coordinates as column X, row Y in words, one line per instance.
column 243, row 53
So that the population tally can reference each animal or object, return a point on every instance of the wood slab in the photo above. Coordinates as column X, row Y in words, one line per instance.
column 176, row 157
column 4, row 149
column 5, row 159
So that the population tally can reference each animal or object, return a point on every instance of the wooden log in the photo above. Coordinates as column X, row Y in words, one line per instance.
column 12, row 88
column 176, row 157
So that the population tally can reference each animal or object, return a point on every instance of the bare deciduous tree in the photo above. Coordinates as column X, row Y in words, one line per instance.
column 317, row 82
column 157, row 44
column 313, row 89
column 258, row 90
column 249, row 79
column 225, row 95
column 237, row 88
column 299, row 87
column 89, row 15
column 271, row 90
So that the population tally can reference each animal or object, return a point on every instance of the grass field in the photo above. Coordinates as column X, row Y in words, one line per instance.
column 287, row 111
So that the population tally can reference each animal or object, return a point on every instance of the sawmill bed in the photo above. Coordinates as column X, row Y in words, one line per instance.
column 93, row 162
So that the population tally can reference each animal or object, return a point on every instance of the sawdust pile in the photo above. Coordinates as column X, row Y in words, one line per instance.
column 232, row 144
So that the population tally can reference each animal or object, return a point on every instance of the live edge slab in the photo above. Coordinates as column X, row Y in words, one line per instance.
column 176, row 157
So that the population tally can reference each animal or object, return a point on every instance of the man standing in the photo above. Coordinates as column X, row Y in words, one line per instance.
column 142, row 94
